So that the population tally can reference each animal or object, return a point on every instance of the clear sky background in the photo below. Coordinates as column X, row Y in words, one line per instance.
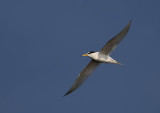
column 41, row 43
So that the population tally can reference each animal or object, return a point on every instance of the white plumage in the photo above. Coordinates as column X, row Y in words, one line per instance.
column 102, row 58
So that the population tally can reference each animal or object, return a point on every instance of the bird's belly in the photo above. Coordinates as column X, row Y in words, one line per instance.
column 102, row 58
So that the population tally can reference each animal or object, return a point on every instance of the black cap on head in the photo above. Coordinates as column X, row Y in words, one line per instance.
column 91, row 52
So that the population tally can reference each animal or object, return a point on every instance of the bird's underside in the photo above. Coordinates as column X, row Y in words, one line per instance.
column 99, row 57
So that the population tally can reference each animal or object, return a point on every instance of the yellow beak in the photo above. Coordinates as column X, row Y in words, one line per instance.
column 85, row 55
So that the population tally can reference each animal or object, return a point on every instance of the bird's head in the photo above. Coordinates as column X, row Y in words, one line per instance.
column 90, row 52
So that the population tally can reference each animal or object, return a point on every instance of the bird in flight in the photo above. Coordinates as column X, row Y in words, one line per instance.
column 103, row 56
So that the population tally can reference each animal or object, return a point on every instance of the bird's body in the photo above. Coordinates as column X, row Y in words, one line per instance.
column 103, row 56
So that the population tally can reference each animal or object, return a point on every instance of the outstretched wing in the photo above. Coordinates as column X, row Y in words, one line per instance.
column 83, row 76
column 112, row 44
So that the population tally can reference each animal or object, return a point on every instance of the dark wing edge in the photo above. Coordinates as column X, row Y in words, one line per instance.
column 112, row 44
column 83, row 75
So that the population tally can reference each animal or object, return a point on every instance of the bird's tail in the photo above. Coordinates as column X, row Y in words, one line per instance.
column 120, row 63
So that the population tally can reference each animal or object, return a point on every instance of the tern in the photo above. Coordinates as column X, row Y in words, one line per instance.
column 103, row 56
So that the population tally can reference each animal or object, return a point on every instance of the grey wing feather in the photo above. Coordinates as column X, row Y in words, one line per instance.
column 83, row 76
column 112, row 44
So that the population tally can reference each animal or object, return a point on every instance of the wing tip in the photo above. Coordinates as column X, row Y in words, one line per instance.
column 67, row 93
column 127, row 26
column 130, row 22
